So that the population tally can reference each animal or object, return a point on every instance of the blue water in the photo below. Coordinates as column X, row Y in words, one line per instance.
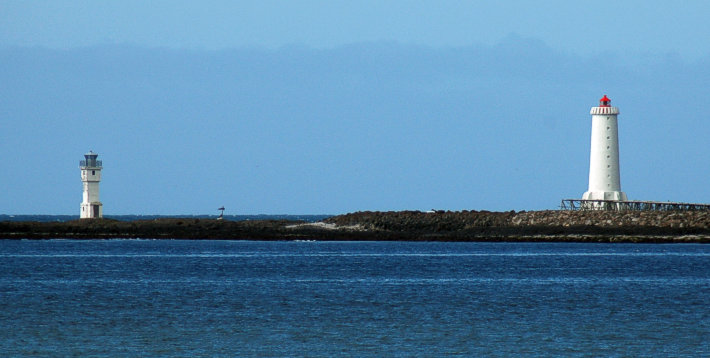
column 127, row 298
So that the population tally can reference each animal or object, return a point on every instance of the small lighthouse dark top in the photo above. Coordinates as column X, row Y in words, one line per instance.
column 90, row 160
column 605, row 102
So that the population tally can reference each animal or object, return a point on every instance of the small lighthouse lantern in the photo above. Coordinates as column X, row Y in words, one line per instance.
column 91, row 207
column 605, row 102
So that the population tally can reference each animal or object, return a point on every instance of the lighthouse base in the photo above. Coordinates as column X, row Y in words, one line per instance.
column 93, row 210
column 605, row 195
column 604, row 200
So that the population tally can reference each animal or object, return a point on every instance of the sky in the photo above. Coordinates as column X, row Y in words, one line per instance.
column 328, row 107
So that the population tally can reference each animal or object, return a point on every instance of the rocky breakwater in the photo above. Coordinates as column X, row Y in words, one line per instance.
column 166, row 228
column 551, row 225
column 581, row 226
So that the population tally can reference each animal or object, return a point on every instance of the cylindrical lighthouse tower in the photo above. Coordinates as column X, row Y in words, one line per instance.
column 91, row 207
column 604, row 177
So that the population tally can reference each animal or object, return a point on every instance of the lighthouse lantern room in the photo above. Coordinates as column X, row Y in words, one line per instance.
column 91, row 207
column 604, row 174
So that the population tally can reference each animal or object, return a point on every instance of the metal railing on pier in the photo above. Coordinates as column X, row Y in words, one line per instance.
column 614, row 205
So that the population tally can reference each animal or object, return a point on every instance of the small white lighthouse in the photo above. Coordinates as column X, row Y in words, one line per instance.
column 604, row 177
column 91, row 207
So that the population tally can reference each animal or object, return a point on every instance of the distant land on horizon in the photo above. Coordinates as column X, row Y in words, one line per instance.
column 64, row 218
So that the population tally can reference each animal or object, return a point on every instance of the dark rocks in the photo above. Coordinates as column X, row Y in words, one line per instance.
column 154, row 229
column 581, row 226
column 551, row 225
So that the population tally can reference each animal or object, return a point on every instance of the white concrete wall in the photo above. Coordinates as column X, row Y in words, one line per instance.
column 91, row 192
column 90, row 178
column 89, row 174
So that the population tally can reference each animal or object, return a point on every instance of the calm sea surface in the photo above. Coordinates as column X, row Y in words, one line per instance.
column 128, row 298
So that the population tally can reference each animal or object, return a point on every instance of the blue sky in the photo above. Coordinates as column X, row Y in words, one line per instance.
column 336, row 106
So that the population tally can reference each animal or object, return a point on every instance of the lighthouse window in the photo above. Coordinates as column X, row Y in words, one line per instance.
column 93, row 172
column 607, row 137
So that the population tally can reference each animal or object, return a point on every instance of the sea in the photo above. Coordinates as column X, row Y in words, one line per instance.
column 182, row 298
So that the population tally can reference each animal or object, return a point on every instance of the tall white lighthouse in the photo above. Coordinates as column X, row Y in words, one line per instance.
column 91, row 207
column 604, row 177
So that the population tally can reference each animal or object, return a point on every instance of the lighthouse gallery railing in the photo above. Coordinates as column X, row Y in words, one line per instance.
column 91, row 163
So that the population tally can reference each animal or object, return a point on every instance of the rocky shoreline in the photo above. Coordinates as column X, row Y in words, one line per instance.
column 533, row 226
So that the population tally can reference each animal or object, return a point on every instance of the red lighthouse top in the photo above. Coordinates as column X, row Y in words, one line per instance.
column 604, row 102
